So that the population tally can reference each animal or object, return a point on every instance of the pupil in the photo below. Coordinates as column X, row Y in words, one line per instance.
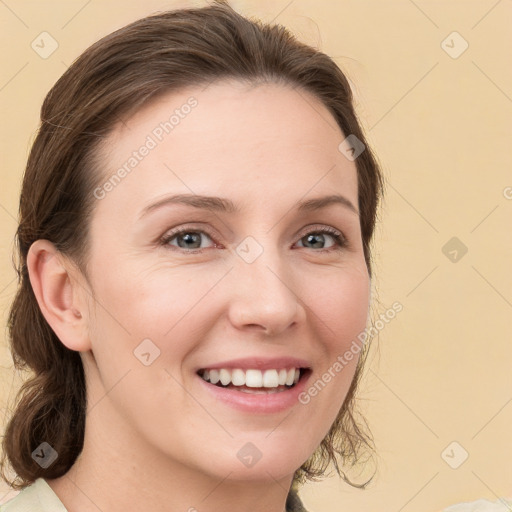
column 311, row 237
column 189, row 237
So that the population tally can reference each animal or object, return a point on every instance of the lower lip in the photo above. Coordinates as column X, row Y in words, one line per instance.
column 258, row 403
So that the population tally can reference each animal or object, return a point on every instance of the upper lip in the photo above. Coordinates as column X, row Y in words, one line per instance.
column 259, row 363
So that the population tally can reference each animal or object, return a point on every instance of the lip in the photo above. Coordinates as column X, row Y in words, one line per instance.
column 259, row 363
column 258, row 403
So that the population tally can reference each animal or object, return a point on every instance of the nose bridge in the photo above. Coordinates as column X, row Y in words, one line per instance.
column 263, row 284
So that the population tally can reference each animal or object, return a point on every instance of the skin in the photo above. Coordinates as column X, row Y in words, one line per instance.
column 155, row 440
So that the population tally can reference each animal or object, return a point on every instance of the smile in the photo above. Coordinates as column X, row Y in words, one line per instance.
column 255, row 391
column 253, row 380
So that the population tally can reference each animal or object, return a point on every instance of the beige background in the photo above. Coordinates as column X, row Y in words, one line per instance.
column 441, row 128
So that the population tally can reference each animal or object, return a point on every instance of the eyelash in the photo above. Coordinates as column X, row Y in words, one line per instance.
column 339, row 239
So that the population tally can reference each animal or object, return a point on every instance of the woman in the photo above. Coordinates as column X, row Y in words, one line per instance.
column 195, row 226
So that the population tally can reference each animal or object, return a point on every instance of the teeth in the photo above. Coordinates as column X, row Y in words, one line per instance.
column 290, row 377
column 225, row 377
column 253, row 378
column 270, row 379
column 214, row 376
column 238, row 377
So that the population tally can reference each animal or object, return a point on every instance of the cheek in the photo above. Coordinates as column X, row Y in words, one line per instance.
column 149, row 303
column 169, row 307
column 340, row 315
column 340, row 306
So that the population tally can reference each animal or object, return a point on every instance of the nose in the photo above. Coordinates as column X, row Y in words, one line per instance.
column 264, row 294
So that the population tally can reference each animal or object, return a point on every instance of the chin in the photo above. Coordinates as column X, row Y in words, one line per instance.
column 251, row 464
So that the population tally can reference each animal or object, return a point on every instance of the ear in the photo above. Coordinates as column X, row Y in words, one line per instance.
column 59, row 293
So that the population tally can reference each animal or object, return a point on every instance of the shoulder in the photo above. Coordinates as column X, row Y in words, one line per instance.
column 37, row 497
column 501, row 505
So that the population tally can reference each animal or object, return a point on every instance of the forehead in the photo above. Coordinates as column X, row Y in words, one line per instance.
column 257, row 142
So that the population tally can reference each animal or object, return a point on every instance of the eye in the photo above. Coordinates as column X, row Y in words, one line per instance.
column 186, row 238
column 189, row 239
column 317, row 237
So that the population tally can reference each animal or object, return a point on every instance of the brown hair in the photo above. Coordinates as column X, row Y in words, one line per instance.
column 116, row 76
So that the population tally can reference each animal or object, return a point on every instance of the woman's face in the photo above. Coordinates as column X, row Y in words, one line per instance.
column 243, row 287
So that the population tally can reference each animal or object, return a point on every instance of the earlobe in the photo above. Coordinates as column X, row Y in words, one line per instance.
column 58, row 294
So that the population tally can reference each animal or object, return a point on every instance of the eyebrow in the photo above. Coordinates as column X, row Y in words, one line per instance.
column 220, row 204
